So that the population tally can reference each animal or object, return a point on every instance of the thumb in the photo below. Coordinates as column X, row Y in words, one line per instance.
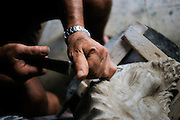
column 81, row 66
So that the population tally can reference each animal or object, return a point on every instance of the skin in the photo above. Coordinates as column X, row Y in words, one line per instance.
column 90, row 58
column 24, row 93
column 13, row 60
column 84, row 51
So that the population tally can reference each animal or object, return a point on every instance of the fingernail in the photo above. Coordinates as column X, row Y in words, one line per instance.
column 80, row 75
column 45, row 50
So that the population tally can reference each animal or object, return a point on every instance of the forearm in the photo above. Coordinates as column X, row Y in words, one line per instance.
column 72, row 13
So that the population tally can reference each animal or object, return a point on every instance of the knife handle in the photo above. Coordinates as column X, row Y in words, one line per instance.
column 60, row 66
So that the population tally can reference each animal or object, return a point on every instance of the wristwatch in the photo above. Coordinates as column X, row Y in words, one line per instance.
column 74, row 29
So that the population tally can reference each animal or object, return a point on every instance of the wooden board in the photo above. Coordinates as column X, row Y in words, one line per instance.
column 118, row 48
column 119, row 51
column 140, row 28
column 142, row 45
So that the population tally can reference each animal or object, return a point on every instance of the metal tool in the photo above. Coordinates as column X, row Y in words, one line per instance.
column 61, row 66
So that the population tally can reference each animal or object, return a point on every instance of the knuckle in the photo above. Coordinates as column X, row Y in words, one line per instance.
column 105, row 74
column 35, row 50
column 101, row 48
column 75, row 54
column 78, row 51
column 18, row 48
column 31, row 49
column 93, row 50
column 106, row 52
column 114, row 68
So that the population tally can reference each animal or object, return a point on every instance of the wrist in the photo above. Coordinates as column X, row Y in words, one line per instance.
column 75, row 29
column 77, row 36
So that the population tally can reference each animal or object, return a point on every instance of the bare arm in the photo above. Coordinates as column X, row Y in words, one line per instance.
column 90, row 58
column 73, row 13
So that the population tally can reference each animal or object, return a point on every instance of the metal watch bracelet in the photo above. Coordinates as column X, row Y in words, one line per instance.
column 74, row 29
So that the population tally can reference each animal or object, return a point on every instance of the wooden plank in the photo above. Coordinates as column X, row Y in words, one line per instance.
column 140, row 28
column 142, row 45
column 118, row 48
column 119, row 51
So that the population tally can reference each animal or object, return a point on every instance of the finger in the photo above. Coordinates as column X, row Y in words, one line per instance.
column 27, row 70
column 110, row 69
column 32, row 50
column 81, row 65
column 103, row 67
column 96, row 64
column 33, row 71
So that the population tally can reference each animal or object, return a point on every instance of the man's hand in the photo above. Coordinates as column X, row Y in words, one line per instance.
column 15, row 61
column 90, row 58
